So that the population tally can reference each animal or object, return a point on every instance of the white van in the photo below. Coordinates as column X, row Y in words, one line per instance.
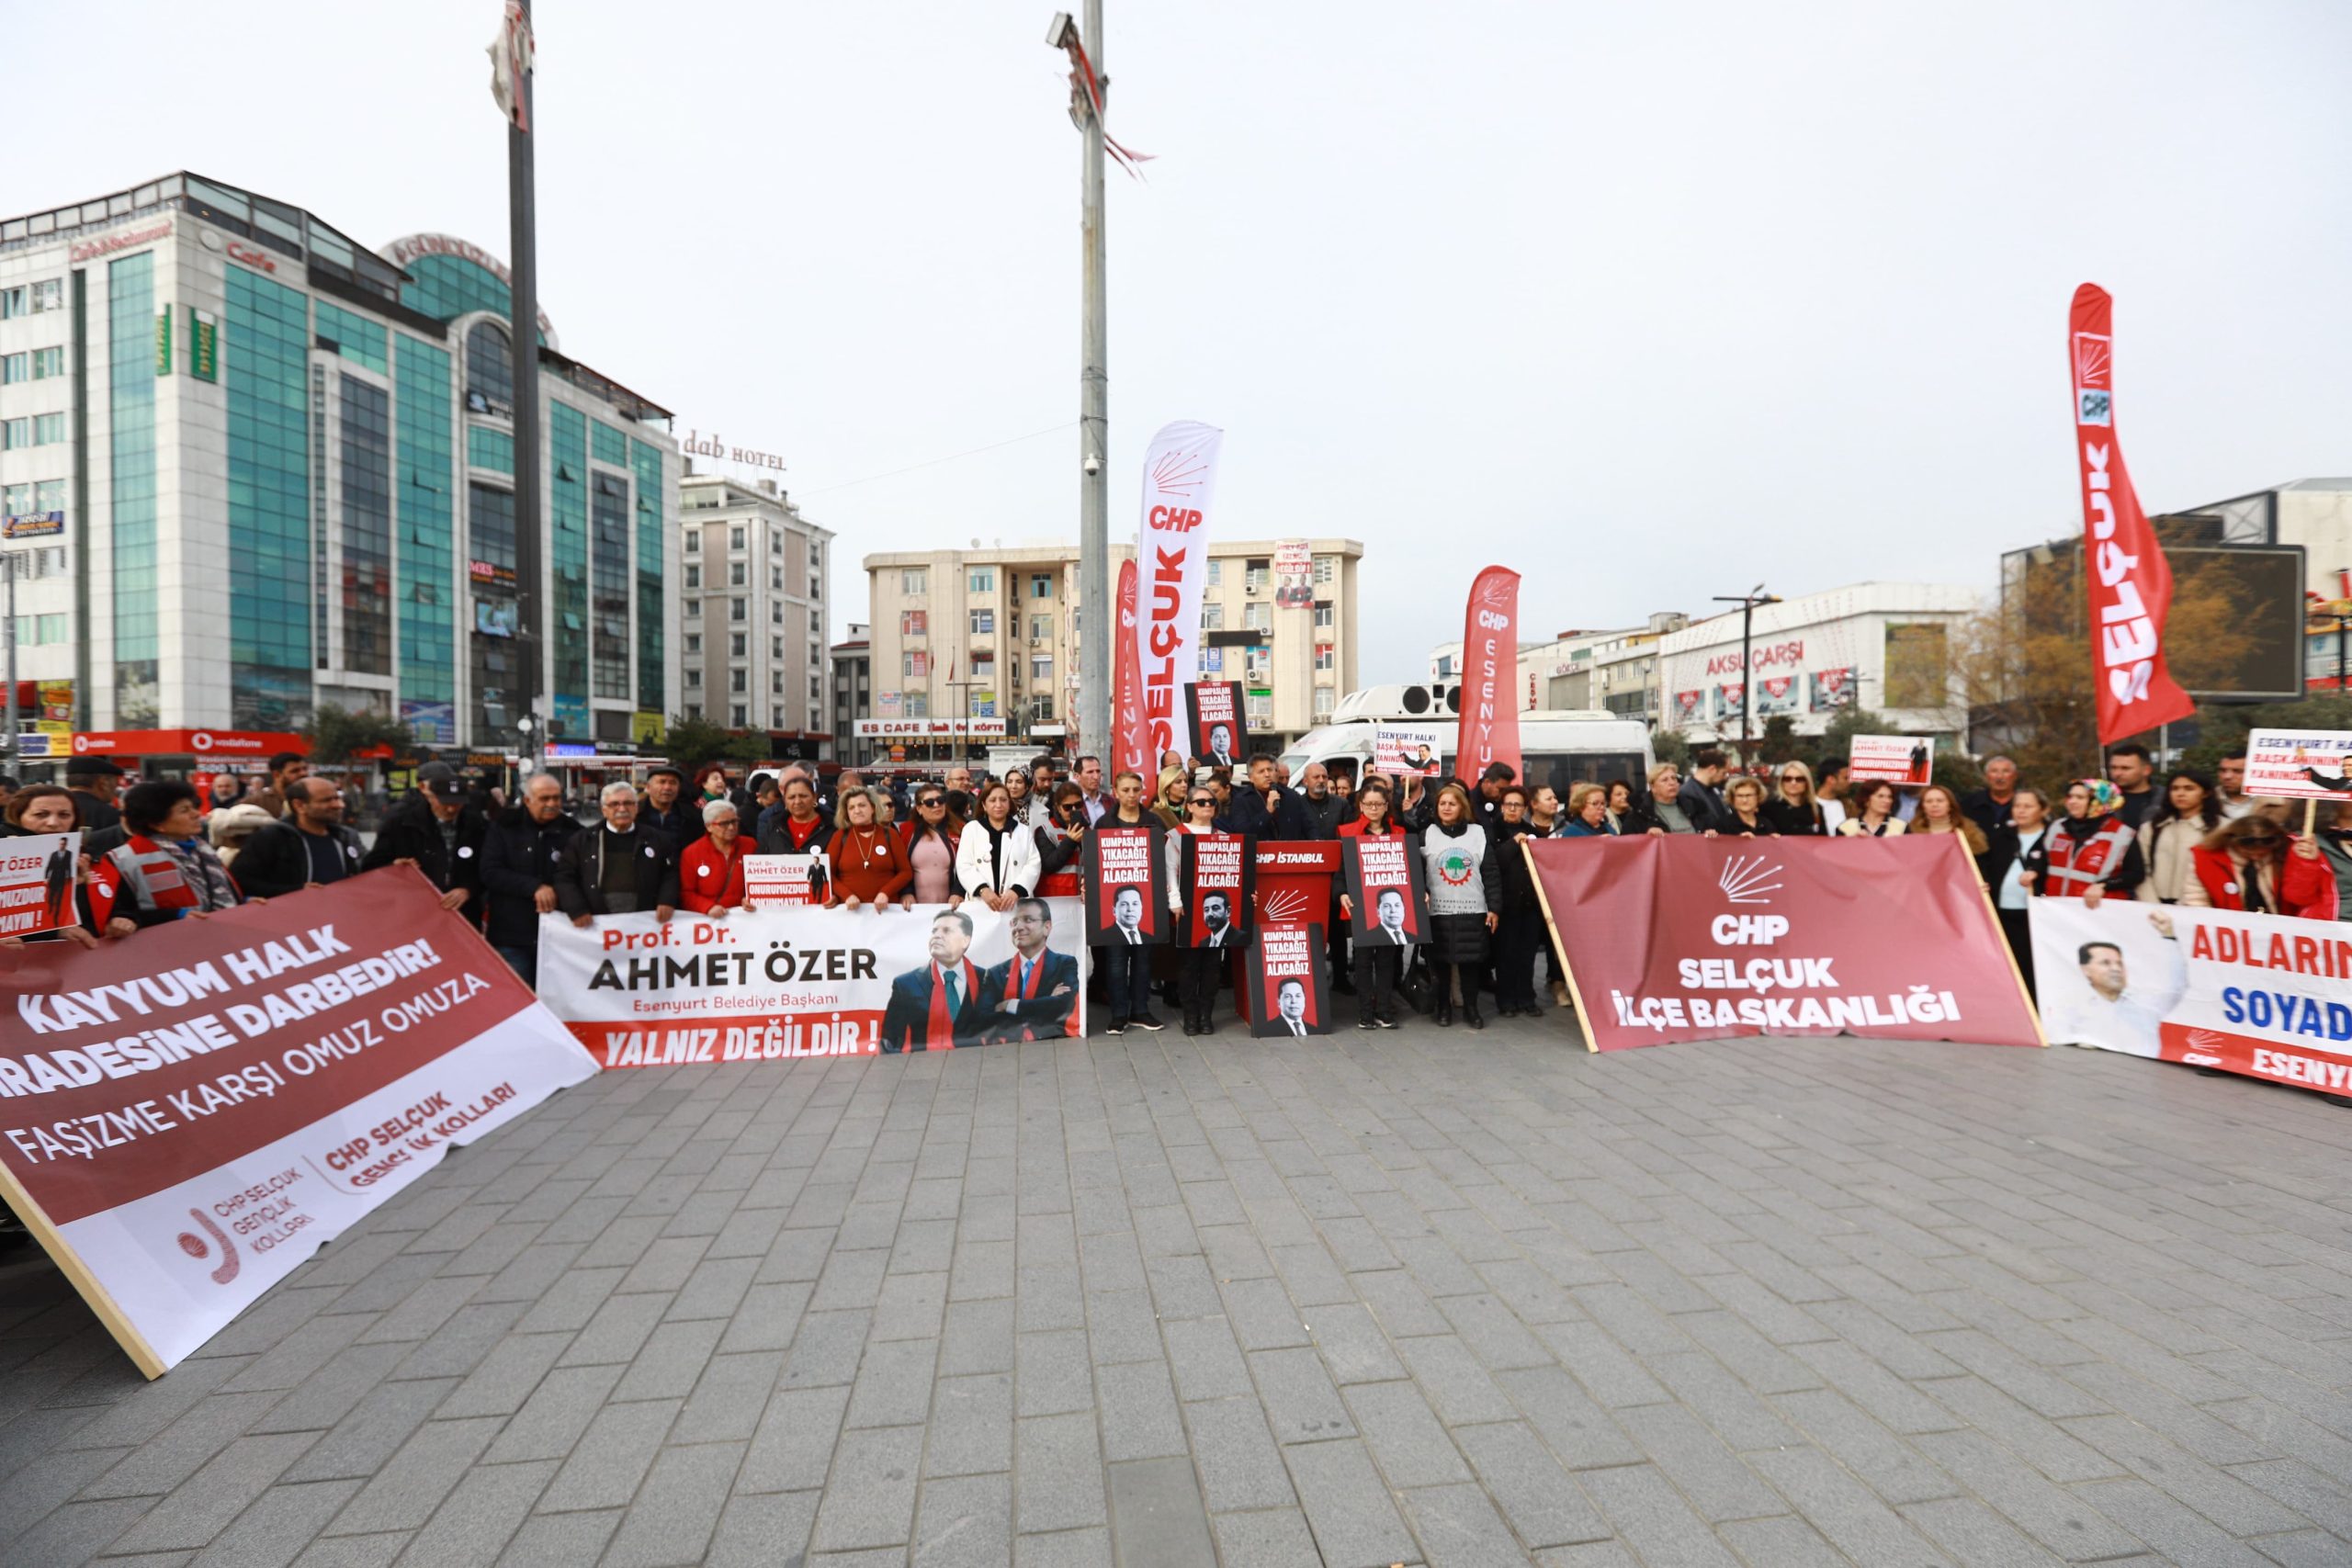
column 1559, row 746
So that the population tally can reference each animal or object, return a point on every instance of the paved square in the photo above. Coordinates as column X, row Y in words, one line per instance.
column 1424, row 1297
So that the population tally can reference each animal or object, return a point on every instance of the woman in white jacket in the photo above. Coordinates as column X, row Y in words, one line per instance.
column 996, row 860
column 2192, row 809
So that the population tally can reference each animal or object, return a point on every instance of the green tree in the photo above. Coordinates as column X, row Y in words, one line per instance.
column 692, row 743
column 1672, row 746
column 338, row 734
column 1778, row 744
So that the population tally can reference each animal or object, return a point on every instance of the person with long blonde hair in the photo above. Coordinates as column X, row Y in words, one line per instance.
column 1940, row 813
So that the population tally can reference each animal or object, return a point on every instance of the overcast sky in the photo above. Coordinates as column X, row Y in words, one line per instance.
column 1648, row 302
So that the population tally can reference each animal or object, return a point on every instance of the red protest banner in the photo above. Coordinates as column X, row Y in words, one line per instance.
column 1214, row 724
column 187, row 1115
column 2123, row 564
column 1217, row 880
column 1674, row 939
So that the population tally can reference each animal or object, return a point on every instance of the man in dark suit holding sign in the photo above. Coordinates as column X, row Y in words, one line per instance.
column 1030, row 995
column 939, row 1005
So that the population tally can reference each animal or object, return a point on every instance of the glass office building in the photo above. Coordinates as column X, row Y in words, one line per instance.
column 250, row 468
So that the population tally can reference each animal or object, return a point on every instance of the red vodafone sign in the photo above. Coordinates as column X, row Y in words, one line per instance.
column 261, row 744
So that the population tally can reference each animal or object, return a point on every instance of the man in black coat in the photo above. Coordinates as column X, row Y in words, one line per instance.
column 1266, row 808
column 1488, row 799
column 664, row 808
column 93, row 782
column 520, row 849
column 309, row 849
column 435, row 831
column 618, row 866
column 1703, row 790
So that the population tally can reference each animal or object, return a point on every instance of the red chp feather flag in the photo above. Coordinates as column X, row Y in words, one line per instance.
column 1490, row 728
column 1130, row 735
column 2123, row 566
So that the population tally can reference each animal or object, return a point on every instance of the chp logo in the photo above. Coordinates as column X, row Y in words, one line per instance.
column 195, row 1247
column 1176, row 478
column 1287, row 905
column 1746, row 879
column 2094, row 393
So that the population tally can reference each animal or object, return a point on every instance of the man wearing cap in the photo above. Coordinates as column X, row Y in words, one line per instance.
column 436, row 831
column 93, row 782
column 661, row 810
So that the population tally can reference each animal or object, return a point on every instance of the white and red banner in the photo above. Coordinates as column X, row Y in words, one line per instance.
column 1488, row 731
column 1401, row 749
column 2300, row 764
column 37, row 882
column 187, row 1115
column 2123, row 566
column 1673, row 938
column 2266, row 995
column 782, row 881
column 791, row 985
column 1897, row 759
column 1130, row 747
column 1172, row 567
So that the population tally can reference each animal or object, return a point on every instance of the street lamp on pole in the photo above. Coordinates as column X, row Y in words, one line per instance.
column 1746, row 603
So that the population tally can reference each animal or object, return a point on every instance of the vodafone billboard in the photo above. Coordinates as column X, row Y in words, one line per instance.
column 257, row 743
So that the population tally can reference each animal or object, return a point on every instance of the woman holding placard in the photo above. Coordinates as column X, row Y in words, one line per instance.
column 2247, row 864
column 2168, row 839
column 2003, row 868
column 1376, row 963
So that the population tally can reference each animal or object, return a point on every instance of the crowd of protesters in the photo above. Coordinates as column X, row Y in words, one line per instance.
column 157, row 852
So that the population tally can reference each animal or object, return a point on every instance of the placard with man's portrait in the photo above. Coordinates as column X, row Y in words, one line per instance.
column 1388, row 901
column 1127, row 886
column 1218, row 723
column 1290, row 982
column 1218, row 878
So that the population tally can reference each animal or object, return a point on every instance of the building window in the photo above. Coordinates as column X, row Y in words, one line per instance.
column 776, row 648
column 1256, row 574
column 1216, row 572
column 15, row 432
column 917, row 705
column 914, row 623
column 735, row 578
column 15, row 368
column 48, row 294
column 489, row 370
column 48, row 429
column 1326, row 656
column 738, row 609
column 914, row 579
column 776, row 541
column 1041, row 587
column 694, row 541
column 1041, row 627
column 735, row 537
column 694, row 609
column 1261, row 709
column 816, row 624
column 983, row 623
column 775, row 612
column 983, row 664
column 694, row 678
column 693, row 575
column 694, row 642
column 1325, row 699
column 816, row 586
column 914, row 666
column 1211, row 617
column 776, row 718
column 775, row 578
column 1041, row 667
column 48, row 362
column 1258, row 618
column 1325, row 568
column 743, row 715
column 776, row 682
column 739, row 679
column 13, row 302
column 737, row 643
column 1323, row 618
column 980, row 579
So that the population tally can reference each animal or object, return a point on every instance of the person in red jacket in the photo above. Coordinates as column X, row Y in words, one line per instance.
column 710, row 869
column 2247, row 864
column 870, row 868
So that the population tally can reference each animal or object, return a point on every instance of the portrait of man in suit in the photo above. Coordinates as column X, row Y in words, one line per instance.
column 1391, row 911
column 57, row 882
column 1030, row 995
column 939, row 1005
column 1291, row 1002
column 1221, row 745
column 1217, row 922
column 1126, row 914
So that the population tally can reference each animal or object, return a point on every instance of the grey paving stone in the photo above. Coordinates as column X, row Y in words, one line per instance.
column 1542, row 1501
column 557, row 1412
column 1355, row 1524
column 1136, row 1404
column 1653, row 1520
column 1156, row 1517
column 971, row 1427
column 2181, row 1533
column 1575, row 1429
column 1301, row 1403
column 1239, row 1466
column 480, row 1515
column 1974, row 1534
column 1058, row 1473
column 1407, row 1441
column 893, row 1387
column 1717, row 1485
column 2218, row 1495
column 763, row 1531
column 669, row 1522
column 200, row 1508
column 609, row 1462
column 1276, row 1538
column 1459, row 1528
column 870, row 1499
column 561, row 1540
column 1206, row 1358
column 404, row 1492
column 1088, row 1547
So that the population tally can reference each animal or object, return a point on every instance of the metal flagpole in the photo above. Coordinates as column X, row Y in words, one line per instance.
column 1094, row 426
column 522, row 219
